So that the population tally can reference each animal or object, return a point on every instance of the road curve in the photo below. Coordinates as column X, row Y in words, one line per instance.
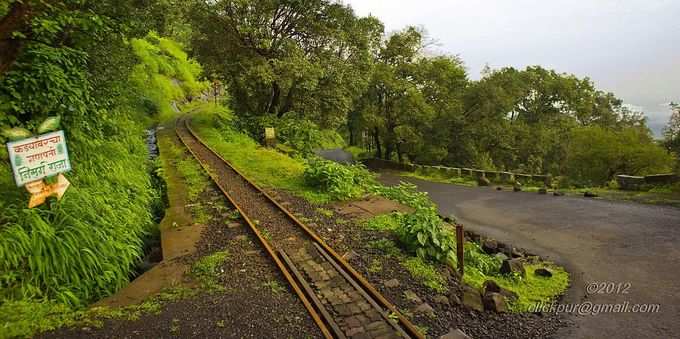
column 596, row 240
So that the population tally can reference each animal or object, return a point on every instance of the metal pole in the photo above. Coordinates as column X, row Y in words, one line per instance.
column 460, row 249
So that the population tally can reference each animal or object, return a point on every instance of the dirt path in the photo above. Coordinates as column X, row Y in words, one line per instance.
column 597, row 241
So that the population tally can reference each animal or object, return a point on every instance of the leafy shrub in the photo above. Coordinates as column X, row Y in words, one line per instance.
column 384, row 222
column 293, row 130
column 422, row 232
column 341, row 182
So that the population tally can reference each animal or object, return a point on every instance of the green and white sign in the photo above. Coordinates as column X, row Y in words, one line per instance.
column 38, row 157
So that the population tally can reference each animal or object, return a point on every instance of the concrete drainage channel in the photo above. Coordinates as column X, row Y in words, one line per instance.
column 339, row 299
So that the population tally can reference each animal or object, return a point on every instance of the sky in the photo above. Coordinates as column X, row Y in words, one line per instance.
column 628, row 47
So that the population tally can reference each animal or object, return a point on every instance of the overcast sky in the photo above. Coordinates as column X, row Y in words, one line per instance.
column 629, row 47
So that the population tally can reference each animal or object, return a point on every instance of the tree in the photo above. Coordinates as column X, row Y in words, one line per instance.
column 672, row 131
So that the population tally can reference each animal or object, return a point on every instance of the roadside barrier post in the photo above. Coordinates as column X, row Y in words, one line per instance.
column 460, row 250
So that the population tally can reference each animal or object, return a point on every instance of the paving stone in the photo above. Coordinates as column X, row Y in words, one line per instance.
column 374, row 325
column 353, row 322
column 362, row 335
column 354, row 331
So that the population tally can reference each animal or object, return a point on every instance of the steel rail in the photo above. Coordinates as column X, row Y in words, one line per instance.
column 270, row 250
column 409, row 328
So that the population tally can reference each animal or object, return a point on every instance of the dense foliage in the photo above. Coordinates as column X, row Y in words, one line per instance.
column 340, row 181
column 75, row 59
column 318, row 61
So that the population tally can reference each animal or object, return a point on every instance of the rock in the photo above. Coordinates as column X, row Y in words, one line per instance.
column 454, row 299
column 455, row 334
column 483, row 181
column 491, row 286
column 241, row 238
column 234, row 225
column 517, row 253
column 351, row 255
column 472, row 299
column 590, row 194
column 501, row 256
column 424, row 309
column 412, row 297
column 558, row 194
column 542, row 272
column 542, row 190
column 490, row 246
column 512, row 266
column 392, row 283
column 495, row 302
column 441, row 299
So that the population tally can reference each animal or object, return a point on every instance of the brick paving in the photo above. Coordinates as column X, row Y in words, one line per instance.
column 350, row 310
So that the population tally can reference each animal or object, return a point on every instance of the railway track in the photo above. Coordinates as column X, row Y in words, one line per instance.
column 339, row 299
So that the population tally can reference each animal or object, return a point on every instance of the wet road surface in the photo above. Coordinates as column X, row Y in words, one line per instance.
column 597, row 241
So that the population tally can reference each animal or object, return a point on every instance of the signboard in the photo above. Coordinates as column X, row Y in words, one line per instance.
column 38, row 157
column 270, row 137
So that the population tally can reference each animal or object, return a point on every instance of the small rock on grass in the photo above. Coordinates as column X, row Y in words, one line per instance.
column 542, row 272
column 490, row 246
column 392, row 283
column 511, row 266
column 491, row 286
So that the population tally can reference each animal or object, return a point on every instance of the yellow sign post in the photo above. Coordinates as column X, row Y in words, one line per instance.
column 40, row 191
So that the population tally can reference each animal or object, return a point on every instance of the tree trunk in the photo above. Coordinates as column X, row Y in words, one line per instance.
column 288, row 104
column 17, row 19
column 275, row 101
column 378, row 147
column 399, row 155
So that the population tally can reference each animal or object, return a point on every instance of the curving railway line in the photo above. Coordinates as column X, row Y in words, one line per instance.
column 341, row 302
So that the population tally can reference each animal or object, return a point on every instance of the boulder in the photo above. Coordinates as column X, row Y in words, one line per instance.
column 512, row 266
column 483, row 181
column 517, row 187
column 424, row 309
column 558, row 194
column 491, row 286
column 543, row 190
column 542, row 272
column 590, row 194
column 501, row 256
column 490, row 246
column 455, row 334
column 495, row 302
column 517, row 253
column 441, row 299
column 472, row 299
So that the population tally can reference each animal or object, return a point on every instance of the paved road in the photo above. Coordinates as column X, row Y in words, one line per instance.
column 596, row 240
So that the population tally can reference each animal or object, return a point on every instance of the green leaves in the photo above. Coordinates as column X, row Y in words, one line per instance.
column 49, row 125
column 342, row 182
column 16, row 133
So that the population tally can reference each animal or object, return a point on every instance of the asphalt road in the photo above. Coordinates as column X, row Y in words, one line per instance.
column 597, row 241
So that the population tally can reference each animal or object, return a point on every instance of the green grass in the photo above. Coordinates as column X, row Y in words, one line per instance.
column 531, row 290
column 384, row 222
column 325, row 212
column 426, row 273
column 267, row 167
column 208, row 269
column 463, row 181
column 386, row 246
column 275, row 286
column 191, row 171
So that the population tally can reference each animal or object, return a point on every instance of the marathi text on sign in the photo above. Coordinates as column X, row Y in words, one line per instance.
column 39, row 157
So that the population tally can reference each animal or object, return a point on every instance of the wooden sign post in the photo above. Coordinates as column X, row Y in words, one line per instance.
column 36, row 158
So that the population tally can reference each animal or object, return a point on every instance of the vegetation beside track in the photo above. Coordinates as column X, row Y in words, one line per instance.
column 424, row 243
